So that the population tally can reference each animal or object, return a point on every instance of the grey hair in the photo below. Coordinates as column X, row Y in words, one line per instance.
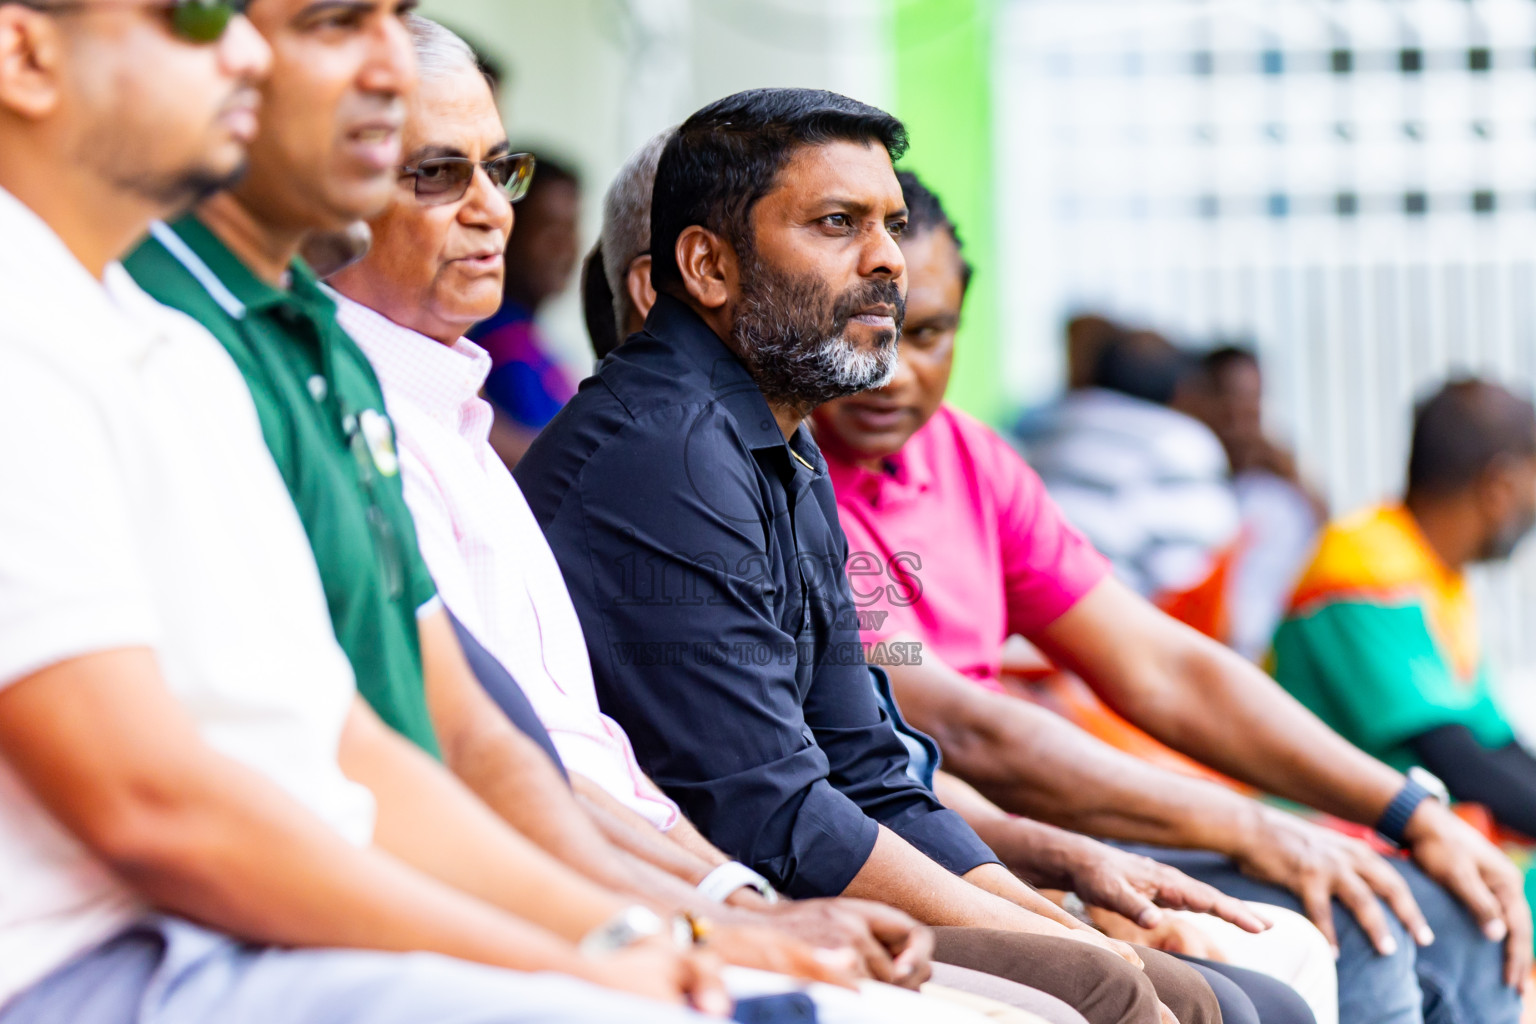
column 627, row 220
column 439, row 52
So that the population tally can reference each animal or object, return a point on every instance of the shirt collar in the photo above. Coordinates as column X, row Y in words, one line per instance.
column 733, row 389
column 38, row 272
column 436, row 378
column 230, row 282
column 902, row 476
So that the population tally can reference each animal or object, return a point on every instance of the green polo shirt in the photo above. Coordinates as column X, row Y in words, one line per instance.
column 322, row 412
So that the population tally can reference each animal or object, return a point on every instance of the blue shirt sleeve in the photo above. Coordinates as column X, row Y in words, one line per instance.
column 505, row 691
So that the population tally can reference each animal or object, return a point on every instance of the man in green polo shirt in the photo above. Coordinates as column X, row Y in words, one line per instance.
column 323, row 416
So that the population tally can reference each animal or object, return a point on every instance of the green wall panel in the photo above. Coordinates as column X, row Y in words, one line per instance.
column 944, row 94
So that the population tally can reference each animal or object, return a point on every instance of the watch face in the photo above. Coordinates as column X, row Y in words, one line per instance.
column 1431, row 782
column 641, row 923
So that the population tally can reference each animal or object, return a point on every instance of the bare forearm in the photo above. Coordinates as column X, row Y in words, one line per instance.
column 251, row 868
column 1030, row 761
column 433, row 823
column 684, row 834
column 104, row 746
column 1037, row 852
column 1219, row 709
column 1003, row 883
column 1207, row 702
column 898, row 875
column 515, row 778
column 637, row 837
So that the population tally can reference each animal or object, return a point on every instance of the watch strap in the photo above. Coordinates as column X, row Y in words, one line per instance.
column 1394, row 820
column 718, row 885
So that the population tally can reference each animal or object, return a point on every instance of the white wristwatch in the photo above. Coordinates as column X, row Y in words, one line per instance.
column 718, row 885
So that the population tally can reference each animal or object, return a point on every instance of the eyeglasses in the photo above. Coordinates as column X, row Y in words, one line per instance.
column 445, row 179
column 196, row 21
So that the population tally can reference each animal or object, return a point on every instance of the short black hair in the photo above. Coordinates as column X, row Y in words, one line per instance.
column 726, row 157
column 1461, row 430
column 597, row 304
column 1222, row 356
column 926, row 213
column 1144, row 365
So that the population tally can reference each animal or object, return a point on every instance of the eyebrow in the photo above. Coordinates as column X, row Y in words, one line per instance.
column 323, row 6
column 857, row 206
column 432, row 152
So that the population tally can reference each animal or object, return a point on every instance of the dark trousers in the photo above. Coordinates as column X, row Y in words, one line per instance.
column 1094, row 982
column 1248, row 997
column 1457, row 980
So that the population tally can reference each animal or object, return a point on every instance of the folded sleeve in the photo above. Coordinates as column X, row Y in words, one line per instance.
column 72, row 581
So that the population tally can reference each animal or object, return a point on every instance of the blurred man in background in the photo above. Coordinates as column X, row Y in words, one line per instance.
column 528, row 384
column 1381, row 638
column 1280, row 514
column 1144, row 481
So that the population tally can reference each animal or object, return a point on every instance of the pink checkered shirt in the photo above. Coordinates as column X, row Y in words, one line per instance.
column 487, row 554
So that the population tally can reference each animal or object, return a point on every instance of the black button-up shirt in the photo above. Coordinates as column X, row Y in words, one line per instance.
column 705, row 560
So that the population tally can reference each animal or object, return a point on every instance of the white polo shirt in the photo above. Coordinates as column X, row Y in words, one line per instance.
column 488, row 556
column 139, row 507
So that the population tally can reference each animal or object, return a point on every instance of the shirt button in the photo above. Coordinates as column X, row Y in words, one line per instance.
column 317, row 387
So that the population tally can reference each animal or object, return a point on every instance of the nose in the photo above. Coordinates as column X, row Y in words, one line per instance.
column 881, row 256
column 244, row 52
column 486, row 206
column 391, row 65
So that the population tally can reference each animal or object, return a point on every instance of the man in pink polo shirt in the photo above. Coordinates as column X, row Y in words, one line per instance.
column 954, row 546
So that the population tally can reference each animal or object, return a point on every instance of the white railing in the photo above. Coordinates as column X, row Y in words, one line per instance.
column 1184, row 165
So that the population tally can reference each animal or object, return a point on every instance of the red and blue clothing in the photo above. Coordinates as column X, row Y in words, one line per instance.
column 525, row 381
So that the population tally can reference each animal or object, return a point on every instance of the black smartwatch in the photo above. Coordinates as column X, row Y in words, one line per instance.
column 1419, row 786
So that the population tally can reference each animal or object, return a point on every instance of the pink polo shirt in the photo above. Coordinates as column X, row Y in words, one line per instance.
column 958, row 545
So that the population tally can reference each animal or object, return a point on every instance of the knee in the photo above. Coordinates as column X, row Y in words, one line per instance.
column 1181, row 988
column 1115, row 992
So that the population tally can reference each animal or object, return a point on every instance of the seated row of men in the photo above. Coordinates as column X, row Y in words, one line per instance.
column 284, row 701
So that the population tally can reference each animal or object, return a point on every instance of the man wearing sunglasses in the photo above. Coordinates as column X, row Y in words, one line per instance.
column 181, row 736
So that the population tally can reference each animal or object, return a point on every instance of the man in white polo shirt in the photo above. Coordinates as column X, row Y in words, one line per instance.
column 180, row 733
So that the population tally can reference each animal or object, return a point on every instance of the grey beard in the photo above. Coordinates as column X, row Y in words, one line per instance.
column 804, row 376
column 797, row 347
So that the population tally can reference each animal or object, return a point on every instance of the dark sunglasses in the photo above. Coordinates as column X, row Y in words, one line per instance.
column 445, row 179
column 197, row 21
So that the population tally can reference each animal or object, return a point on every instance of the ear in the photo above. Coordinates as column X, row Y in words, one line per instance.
column 708, row 266
column 642, row 294
column 30, row 55
column 1496, row 489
